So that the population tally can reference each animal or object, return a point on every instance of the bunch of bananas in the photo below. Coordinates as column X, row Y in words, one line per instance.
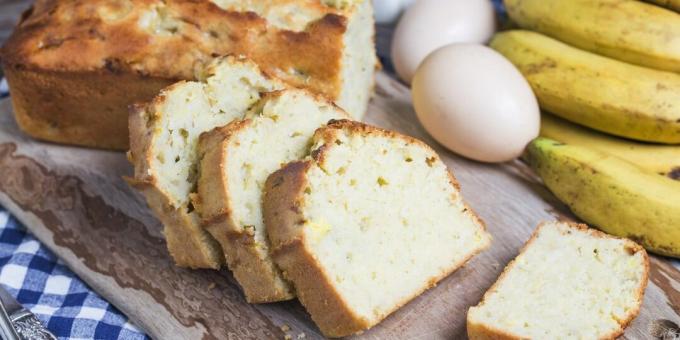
column 611, row 66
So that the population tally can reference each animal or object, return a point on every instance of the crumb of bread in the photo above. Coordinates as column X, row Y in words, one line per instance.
column 373, row 221
column 568, row 282
column 277, row 130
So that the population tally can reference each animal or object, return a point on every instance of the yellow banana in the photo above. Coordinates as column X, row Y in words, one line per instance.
column 611, row 194
column 673, row 5
column 595, row 91
column 627, row 30
column 660, row 159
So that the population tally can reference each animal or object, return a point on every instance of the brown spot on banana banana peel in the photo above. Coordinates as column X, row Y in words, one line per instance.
column 660, row 159
column 675, row 173
column 540, row 67
column 616, row 186
column 660, row 122
column 605, row 27
column 568, row 90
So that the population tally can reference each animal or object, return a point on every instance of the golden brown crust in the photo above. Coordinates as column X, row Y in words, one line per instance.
column 93, row 59
column 184, row 235
column 187, row 241
column 327, row 133
column 213, row 202
column 80, row 108
column 140, row 141
column 283, row 202
column 485, row 332
column 87, row 35
column 257, row 277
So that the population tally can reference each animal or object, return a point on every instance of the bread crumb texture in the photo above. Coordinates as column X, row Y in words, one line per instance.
column 277, row 130
column 185, row 110
column 164, row 149
column 568, row 283
column 280, row 131
column 383, row 218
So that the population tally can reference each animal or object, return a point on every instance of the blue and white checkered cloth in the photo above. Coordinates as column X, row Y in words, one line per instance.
column 43, row 284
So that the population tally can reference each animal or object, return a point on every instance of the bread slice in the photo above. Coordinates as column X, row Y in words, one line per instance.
column 164, row 149
column 569, row 282
column 366, row 223
column 235, row 162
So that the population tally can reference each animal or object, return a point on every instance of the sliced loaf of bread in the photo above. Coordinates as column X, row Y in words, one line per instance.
column 164, row 148
column 235, row 162
column 569, row 282
column 367, row 222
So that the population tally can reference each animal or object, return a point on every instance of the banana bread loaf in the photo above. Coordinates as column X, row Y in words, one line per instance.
column 74, row 66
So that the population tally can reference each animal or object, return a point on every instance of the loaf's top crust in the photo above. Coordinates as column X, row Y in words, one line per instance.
column 175, row 39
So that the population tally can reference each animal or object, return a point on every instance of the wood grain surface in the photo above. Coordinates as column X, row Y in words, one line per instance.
column 75, row 201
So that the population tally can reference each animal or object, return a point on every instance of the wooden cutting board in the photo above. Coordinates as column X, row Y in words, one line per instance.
column 75, row 201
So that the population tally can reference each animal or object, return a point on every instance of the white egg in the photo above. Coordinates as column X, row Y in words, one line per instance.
column 430, row 24
column 476, row 103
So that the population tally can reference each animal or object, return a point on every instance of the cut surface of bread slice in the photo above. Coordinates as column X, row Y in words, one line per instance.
column 235, row 162
column 164, row 149
column 366, row 223
column 568, row 282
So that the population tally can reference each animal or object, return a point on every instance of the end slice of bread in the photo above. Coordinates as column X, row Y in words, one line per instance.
column 366, row 223
column 568, row 282
column 164, row 148
column 235, row 163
